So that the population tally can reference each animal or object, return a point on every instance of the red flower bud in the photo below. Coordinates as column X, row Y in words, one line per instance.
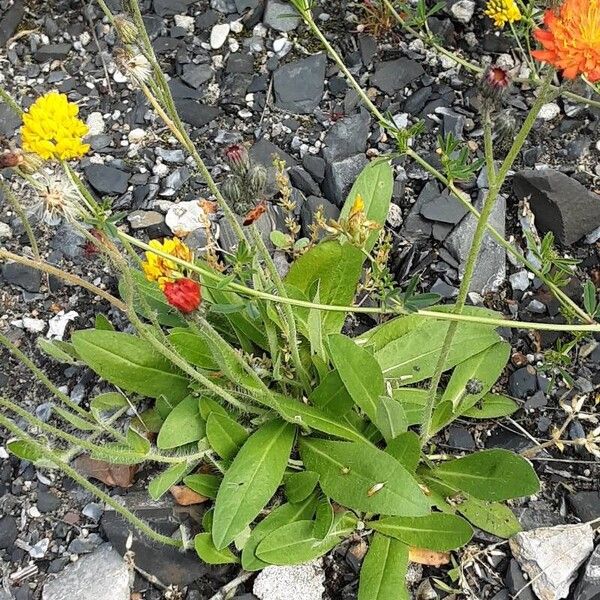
column 184, row 294
column 237, row 156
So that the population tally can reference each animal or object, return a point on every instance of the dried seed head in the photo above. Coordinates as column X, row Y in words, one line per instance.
column 126, row 30
column 11, row 158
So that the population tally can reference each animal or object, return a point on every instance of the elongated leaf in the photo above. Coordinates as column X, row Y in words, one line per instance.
column 182, row 425
column 492, row 517
column 74, row 419
column 413, row 402
column 391, row 419
column 363, row 477
column 436, row 531
column 492, row 406
column 193, row 348
column 25, row 451
column 300, row 485
column 224, row 435
column 331, row 395
column 282, row 515
column 160, row 484
column 61, row 351
column 490, row 475
column 409, row 359
column 104, row 405
column 352, row 363
column 207, row 552
column 102, row 322
column 309, row 416
column 315, row 328
column 204, row 484
column 251, row 480
column 294, row 543
column 130, row 363
column 324, row 518
column 383, row 573
column 208, row 405
column 374, row 185
column 406, row 449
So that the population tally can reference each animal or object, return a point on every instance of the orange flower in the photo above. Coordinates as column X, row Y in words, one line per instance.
column 184, row 294
column 571, row 39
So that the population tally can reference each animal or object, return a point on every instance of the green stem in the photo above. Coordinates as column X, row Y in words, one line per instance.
column 141, row 525
column 18, row 208
column 489, row 149
column 471, row 263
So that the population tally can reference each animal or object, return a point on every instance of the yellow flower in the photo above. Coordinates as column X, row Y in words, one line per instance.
column 163, row 270
column 51, row 128
column 502, row 12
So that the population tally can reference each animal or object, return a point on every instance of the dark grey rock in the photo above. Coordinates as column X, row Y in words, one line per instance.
column 444, row 289
column 180, row 91
column 503, row 438
column 516, row 582
column 537, row 400
column 167, row 563
column 523, row 382
column 585, row 505
column 52, row 52
column 195, row 113
column 240, row 63
column 310, row 206
column 340, row 175
column 9, row 120
column 537, row 515
column 263, row 152
column 68, row 241
column 100, row 141
column 10, row 21
column 166, row 8
column 47, row 500
column 303, row 181
column 315, row 165
column 281, row 16
column 347, row 137
column 460, row 438
column 445, row 208
column 368, row 49
column 8, row 532
column 588, row 587
column 25, row 277
column 560, row 203
column 299, row 85
column 144, row 219
column 197, row 75
column 415, row 226
column 226, row 7
column 84, row 545
column 394, row 75
column 106, row 179
column 490, row 270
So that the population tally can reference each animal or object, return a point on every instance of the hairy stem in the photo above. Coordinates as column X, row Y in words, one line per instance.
column 20, row 212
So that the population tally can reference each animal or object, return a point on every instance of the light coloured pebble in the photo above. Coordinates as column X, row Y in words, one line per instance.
column 34, row 325
column 85, row 38
column 185, row 217
column 135, row 136
column 5, row 231
column 549, row 111
column 236, row 26
column 95, row 123
column 300, row 582
column 185, row 22
column 282, row 46
column 218, row 35
column 463, row 10
column 394, row 217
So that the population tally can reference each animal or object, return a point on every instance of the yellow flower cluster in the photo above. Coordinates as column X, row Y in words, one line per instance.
column 163, row 270
column 503, row 12
column 51, row 128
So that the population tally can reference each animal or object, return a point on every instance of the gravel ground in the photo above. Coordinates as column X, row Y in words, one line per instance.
column 243, row 71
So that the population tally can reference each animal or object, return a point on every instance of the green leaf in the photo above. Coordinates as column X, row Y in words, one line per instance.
column 225, row 436
column 282, row 515
column 363, row 477
column 492, row 406
column 25, row 450
column 194, row 348
column 413, row 402
column 137, row 442
column 209, row 554
column 280, row 239
column 331, row 395
column 391, row 419
column 74, row 419
column 324, row 518
column 493, row 517
column 154, row 299
column 406, row 449
column 490, row 475
column 251, row 480
column 375, row 185
column 436, row 531
column 383, row 573
column 104, row 405
column 61, row 351
column 590, row 301
column 161, row 484
column 103, row 323
column 352, row 363
column 410, row 359
column 182, row 425
column 315, row 328
column 295, row 543
column 205, row 484
column 300, row 485
column 130, row 362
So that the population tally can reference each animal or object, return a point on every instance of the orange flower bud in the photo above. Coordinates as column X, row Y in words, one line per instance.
column 184, row 294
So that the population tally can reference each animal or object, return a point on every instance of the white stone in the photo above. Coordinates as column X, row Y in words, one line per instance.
column 5, row 231
column 135, row 136
column 185, row 22
column 120, row 77
column 85, row 38
column 58, row 324
column 34, row 325
column 549, row 111
column 185, row 217
column 218, row 35
column 236, row 26
column 101, row 575
column 519, row 280
column 281, row 46
column 551, row 556
column 463, row 10
column 300, row 582
column 95, row 123
column 394, row 217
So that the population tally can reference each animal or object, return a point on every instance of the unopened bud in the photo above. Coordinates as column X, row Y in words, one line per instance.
column 237, row 158
column 232, row 190
column 126, row 30
column 494, row 83
column 257, row 178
